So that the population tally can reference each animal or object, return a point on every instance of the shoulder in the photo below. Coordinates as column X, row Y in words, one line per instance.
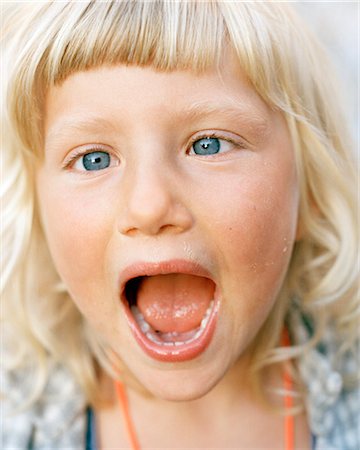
column 56, row 419
column 333, row 405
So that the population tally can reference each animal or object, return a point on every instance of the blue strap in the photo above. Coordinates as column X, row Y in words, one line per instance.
column 90, row 430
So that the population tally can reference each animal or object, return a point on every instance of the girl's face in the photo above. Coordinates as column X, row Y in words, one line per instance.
column 185, row 180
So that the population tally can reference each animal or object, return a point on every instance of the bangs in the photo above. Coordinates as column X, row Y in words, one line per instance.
column 61, row 38
column 165, row 35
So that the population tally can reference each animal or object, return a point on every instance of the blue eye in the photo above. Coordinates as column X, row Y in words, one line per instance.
column 95, row 161
column 206, row 146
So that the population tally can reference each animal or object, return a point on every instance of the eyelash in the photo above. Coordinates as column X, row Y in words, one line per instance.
column 215, row 135
column 69, row 162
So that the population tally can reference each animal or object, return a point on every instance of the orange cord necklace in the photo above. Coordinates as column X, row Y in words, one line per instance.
column 133, row 440
column 289, row 424
column 123, row 401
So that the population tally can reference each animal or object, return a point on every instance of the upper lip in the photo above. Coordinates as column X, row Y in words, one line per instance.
column 143, row 268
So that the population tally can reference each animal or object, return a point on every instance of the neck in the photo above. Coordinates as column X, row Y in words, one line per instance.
column 234, row 391
column 231, row 407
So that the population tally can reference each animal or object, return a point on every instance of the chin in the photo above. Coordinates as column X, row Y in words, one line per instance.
column 182, row 384
column 179, row 391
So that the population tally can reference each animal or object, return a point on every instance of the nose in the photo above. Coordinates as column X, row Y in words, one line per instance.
column 152, row 204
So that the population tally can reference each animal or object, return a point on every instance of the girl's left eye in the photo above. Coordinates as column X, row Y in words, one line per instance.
column 93, row 161
column 211, row 146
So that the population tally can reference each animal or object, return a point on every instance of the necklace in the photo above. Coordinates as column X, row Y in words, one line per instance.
column 124, row 404
column 289, row 424
column 289, row 429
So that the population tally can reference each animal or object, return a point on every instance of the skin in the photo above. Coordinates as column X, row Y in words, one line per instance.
column 235, row 213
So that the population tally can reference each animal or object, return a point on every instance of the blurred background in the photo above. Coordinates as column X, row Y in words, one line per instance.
column 336, row 23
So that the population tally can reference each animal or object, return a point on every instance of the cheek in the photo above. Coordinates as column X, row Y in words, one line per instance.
column 264, row 226
column 78, row 230
column 255, row 226
column 255, row 231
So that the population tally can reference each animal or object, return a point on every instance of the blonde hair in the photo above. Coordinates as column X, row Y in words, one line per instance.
column 44, row 43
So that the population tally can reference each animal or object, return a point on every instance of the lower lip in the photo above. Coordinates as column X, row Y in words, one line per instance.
column 179, row 353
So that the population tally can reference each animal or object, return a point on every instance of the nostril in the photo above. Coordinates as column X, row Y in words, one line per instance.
column 170, row 228
column 132, row 232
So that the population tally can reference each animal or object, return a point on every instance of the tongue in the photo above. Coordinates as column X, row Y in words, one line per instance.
column 174, row 302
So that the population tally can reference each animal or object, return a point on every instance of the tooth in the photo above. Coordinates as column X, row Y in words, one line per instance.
column 170, row 334
column 197, row 334
column 204, row 322
column 210, row 307
column 206, row 316
column 145, row 327
column 152, row 338
column 137, row 314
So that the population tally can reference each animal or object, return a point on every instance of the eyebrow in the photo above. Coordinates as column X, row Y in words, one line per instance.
column 255, row 120
column 231, row 110
column 195, row 112
column 93, row 124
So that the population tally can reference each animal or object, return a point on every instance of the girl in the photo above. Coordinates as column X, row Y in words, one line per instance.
column 179, row 238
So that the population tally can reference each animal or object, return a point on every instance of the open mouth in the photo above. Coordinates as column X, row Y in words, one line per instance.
column 172, row 315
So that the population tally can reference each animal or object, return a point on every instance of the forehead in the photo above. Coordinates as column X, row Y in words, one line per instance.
column 88, row 100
